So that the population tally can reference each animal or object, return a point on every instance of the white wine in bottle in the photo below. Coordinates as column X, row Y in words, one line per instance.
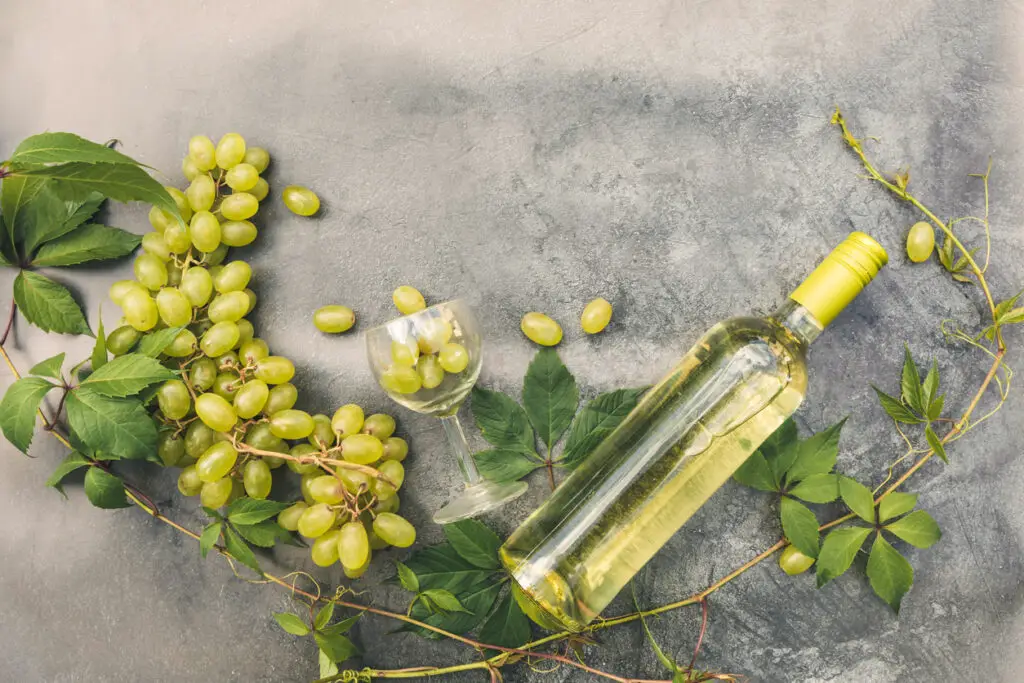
column 684, row 440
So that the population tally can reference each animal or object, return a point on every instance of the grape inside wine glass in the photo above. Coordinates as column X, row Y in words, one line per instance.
column 428, row 362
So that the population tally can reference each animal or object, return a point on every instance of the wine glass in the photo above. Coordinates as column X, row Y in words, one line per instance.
column 428, row 362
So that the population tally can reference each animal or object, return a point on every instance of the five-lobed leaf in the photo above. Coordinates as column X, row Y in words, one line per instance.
column 291, row 623
column 48, row 305
column 407, row 578
column 51, row 367
column 817, row 454
column 474, row 542
column 918, row 529
column 910, row 384
column 596, row 421
column 18, row 410
column 550, row 396
column 800, row 526
column 72, row 462
column 90, row 242
column 890, row 574
column 104, row 490
column 838, row 552
column 858, row 498
column 209, row 537
column 817, row 488
column 127, row 375
column 119, row 427
column 505, row 464
column 507, row 625
column 501, row 420
column 756, row 473
column 936, row 443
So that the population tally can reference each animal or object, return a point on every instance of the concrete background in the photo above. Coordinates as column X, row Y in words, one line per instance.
column 672, row 156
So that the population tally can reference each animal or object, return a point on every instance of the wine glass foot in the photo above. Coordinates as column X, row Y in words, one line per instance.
column 479, row 498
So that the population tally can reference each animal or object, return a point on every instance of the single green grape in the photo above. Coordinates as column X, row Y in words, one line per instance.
column 390, row 504
column 228, row 361
column 202, row 373
column 234, row 277
column 405, row 352
column 300, row 200
column 596, row 316
column 327, row 489
column 201, row 192
column 347, row 420
column 323, row 433
column 379, row 425
column 119, row 289
column 245, row 331
column 256, row 478
column 174, row 307
column 178, row 238
column 181, row 201
column 189, row 483
column 251, row 296
column 150, row 271
column 226, row 385
column 291, row 424
column 189, row 169
column 355, row 482
column 394, row 471
column 260, row 190
column 394, row 530
column 324, row 551
column 242, row 177
column 353, row 545
column 204, row 231
column 202, row 152
column 334, row 319
column 174, row 272
column 230, row 151
column 260, row 436
column 219, row 339
column 251, row 398
column 140, row 310
column 275, row 370
column 358, row 571
column 183, row 346
column 299, row 451
column 408, row 300
column 257, row 157
column 121, row 340
column 197, row 286
column 288, row 518
column 920, row 242
column 433, row 334
column 239, row 206
column 215, row 412
column 304, row 483
column 215, row 494
column 453, row 357
column 170, row 449
column 216, row 257
column 155, row 244
column 430, row 371
column 794, row 562
column 541, row 329
column 160, row 219
column 400, row 379
column 228, row 307
column 237, row 233
column 362, row 449
column 174, row 399
column 395, row 448
column 282, row 397
column 253, row 350
column 217, row 461
column 316, row 520
column 198, row 438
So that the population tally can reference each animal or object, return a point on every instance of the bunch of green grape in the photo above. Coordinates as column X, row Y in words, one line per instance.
column 229, row 421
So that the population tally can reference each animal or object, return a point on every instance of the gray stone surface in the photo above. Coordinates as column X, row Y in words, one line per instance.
column 674, row 157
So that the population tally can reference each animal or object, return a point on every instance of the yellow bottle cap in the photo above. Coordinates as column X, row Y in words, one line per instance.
column 840, row 277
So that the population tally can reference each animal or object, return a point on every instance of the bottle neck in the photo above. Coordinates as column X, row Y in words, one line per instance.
column 798, row 321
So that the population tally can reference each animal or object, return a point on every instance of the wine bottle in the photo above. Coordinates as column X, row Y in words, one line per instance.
column 680, row 444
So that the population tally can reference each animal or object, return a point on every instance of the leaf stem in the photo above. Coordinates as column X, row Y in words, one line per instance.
column 10, row 323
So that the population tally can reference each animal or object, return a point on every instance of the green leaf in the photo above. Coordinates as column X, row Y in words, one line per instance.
column 817, row 488
column 665, row 660
column 246, row 510
column 596, row 421
column 60, row 148
column 291, row 623
column 104, row 490
column 42, row 218
column 910, row 385
column 474, row 542
column 440, row 566
column 91, row 242
column 342, row 626
column 76, row 181
column 99, row 350
column 265, row 534
column 209, row 537
column 441, row 600
column 1013, row 316
column 240, row 550
column 817, row 454
column 154, row 343
column 838, row 551
column 930, row 386
column 1005, row 306
column 48, row 305
column 127, row 375
column 407, row 578
column 507, row 625
column 946, row 253
column 50, row 367
column 890, row 574
column 935, row 407
column 800, row 526
column 895, row 504
column 858, row 498
column 781, row 448
column 936, row 443
column 895, row 409
column 918, row 529
column 337, row 647
column 502, row 421
column 478, row 599
column 756, row 473
column 73, row 461
column 550, row 396
column 80, row 211
column 502, row 464
column 15, row 195
column 327, row 667
column 119, row 427
column 323, row 617
column 18, row 410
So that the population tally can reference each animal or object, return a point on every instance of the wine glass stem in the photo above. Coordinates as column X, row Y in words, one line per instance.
column 457, row 439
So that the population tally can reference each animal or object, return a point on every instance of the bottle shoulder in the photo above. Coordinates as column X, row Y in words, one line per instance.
column 732, row 334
